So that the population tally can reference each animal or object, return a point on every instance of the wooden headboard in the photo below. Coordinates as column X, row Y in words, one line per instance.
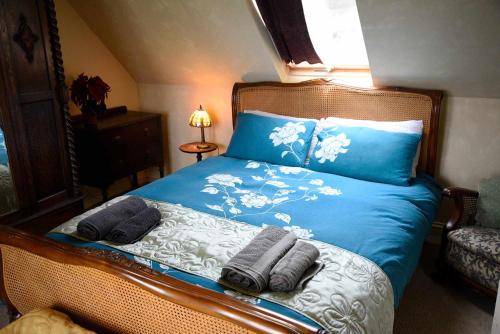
column 321, row 98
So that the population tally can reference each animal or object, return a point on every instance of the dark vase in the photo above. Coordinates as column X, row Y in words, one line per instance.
column 90, row 111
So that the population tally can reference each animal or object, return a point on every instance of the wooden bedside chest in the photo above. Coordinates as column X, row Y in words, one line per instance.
column 122, row 144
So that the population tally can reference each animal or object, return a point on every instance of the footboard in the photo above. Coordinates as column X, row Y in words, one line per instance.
column 106, row 292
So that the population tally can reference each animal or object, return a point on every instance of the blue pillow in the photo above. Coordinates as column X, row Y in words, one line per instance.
column 366, row 154
column 271, row 139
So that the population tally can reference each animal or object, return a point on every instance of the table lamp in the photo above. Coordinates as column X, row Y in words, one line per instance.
column 200, row 119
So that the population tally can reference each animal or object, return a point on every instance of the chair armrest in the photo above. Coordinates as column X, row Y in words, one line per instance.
column 465, row 206
column 464, row 212
column 455, row 192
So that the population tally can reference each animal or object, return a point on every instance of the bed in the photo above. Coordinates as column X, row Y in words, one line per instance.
column 370, row 235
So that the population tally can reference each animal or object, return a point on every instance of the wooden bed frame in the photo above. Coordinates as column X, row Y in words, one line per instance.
column 104, row 291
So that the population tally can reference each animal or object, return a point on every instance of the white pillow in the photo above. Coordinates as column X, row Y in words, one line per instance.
column 400, row 126
column 263, row 113
column 416, row 126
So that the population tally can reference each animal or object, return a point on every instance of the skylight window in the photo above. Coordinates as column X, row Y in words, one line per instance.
column 332, row 28
column 335, row 32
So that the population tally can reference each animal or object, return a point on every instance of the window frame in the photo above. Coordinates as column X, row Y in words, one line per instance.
column 322, row 70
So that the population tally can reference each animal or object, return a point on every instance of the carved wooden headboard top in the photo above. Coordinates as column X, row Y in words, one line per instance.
column 320, row 98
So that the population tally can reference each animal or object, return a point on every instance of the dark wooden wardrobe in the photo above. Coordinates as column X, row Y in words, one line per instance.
column 34, row 119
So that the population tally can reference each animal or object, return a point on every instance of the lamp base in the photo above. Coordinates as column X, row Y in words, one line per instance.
column 202, row 146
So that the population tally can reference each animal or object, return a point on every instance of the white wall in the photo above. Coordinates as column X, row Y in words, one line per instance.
column 450, row 45
column 196, row 42
column 470, row 141
column 176, row 103
column 84, row 52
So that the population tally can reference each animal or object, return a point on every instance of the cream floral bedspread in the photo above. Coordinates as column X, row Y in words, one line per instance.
column 350, row 295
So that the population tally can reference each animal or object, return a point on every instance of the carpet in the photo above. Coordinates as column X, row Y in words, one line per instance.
column 434, row 308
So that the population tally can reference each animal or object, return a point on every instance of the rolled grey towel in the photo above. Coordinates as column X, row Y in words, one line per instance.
column 96, row 226
column 295, row 268
column 249, row 269
column 135, row 228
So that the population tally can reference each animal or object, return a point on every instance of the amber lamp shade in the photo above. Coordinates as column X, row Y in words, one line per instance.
column 201, row 119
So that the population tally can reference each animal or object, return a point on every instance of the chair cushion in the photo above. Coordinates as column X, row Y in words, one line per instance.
column 476, row 267
column 482, row 241
column 488, row 211
column 44, row 321
column 475, row 252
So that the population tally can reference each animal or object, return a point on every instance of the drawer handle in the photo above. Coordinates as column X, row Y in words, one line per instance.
column 117, row 138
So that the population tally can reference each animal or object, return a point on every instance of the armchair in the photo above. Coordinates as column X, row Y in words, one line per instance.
column 469, row 250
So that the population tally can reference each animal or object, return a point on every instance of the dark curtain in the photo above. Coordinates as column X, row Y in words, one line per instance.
column 287, row 25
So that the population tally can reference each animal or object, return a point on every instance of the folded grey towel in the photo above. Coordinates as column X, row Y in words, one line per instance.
column 295, row 268
column 96, row 226
column 249, row 269
column 135, row 228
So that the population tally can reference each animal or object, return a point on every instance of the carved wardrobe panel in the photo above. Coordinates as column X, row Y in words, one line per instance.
column 34, row 115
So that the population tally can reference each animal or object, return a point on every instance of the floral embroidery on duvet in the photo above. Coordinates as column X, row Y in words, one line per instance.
column 288, row 136
column 269, row 196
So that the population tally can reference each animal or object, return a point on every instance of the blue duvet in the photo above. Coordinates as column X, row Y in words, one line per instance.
column 384, row 223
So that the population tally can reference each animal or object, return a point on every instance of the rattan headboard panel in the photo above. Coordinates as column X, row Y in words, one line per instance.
column 319, row 98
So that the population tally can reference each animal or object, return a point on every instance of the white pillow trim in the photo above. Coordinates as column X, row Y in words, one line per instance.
column 268, row 114
column 412, row 126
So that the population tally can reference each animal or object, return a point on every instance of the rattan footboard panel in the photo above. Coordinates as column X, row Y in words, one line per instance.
column 108, row 301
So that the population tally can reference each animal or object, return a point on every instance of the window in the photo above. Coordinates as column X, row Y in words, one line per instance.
column 335, row 32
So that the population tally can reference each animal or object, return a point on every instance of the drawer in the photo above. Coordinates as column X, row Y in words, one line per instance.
column 147, row 146
column 145, row 133
column 133, row 147
column 150, row 156
column 151, row 129
column 115, row 144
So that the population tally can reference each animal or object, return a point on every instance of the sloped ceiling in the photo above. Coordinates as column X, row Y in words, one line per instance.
column 453, row 45
column 183, row 42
